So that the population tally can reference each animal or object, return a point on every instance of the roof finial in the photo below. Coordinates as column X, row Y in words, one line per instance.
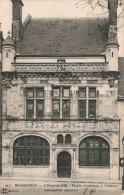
column 9, row 33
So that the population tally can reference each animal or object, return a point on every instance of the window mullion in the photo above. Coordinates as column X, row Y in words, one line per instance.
column 61, row 103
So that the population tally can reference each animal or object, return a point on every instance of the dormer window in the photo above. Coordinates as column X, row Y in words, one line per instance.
column 60, row 61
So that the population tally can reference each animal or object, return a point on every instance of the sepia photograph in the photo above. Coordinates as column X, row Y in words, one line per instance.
column 62, row 97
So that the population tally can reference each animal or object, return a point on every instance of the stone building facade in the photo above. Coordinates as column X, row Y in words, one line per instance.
column 59, row 97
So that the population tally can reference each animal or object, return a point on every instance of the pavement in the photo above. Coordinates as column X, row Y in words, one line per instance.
column 59, row 186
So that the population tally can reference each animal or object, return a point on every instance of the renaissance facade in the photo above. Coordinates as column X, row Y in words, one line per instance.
column 59, row 97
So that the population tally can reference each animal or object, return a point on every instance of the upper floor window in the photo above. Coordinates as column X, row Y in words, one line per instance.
column 87, row 102
column 61, row 102
column 34, row 102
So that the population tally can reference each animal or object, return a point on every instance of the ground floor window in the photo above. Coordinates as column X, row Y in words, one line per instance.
column 94, row 151
column 31, row 150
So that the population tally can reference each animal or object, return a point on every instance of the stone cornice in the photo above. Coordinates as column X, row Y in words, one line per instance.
column 63, row 120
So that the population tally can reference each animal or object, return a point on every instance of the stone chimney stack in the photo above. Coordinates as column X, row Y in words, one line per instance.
column 17, row 19
column 112, row 6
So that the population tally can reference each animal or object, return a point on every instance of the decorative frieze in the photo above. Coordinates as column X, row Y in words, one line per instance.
column 112, row 76
column 14, row 79
column 70, row 67
column 61, row 126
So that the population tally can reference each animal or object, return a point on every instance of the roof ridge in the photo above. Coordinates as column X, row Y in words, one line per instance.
column 68, row 18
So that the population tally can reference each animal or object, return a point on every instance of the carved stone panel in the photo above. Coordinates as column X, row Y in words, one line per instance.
column 59, row 126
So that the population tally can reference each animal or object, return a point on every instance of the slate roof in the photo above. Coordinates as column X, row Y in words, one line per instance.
column 121, row 77
column 9, row 41
column 64, row 37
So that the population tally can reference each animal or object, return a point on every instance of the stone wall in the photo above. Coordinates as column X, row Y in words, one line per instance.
column 14, row 96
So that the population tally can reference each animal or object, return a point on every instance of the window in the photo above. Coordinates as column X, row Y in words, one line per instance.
column 60, row 139
column 31, row 150
column 68, row 139
column 61, row 61
column 61, row 102
column 34, row 102
column 94, row 151
column 87, row 102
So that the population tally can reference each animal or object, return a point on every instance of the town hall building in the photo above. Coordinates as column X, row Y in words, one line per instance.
column 60, row 97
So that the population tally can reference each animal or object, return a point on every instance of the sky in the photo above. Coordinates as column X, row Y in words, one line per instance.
column 52, row 9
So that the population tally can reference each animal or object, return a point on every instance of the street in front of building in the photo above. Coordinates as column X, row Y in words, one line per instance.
column 40, row 186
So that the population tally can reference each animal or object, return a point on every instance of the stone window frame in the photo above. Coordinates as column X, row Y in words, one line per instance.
column 102, row 149
column 34, row 99
column 61, row 99
column 86, row 100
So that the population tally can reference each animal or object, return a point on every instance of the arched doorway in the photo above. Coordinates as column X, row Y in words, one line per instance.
column 64, row 164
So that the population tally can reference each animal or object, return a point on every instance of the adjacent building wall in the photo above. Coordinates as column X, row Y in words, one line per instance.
column 121, row 106
column 1, row 40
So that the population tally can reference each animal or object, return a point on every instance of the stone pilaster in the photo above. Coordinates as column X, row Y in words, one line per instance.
column 74, row 164
column 54, row 172
column 47, row 102
column 4, row 102
column 74, row 104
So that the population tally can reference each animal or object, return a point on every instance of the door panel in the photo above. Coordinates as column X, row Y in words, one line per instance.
column 64, row 164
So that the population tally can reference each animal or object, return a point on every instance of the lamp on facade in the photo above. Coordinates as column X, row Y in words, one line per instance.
column 123, row 166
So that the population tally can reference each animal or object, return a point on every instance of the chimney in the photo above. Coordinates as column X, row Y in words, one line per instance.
column 112, row 6
column 17, row 19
